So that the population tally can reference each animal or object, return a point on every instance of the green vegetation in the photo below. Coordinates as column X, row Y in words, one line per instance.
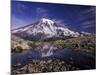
column 18, row 49
column 32, row 44
column 84, row 44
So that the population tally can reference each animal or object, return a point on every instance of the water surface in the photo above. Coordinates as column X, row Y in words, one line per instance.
column 47, row 51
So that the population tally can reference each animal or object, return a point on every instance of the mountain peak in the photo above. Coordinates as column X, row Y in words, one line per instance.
column 45, row 20
column 44, row 29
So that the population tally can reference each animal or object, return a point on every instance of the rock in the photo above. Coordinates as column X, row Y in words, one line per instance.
column 45, row 66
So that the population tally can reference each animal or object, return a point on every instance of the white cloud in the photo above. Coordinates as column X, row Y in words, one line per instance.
column 88, row 26
column 88, row 22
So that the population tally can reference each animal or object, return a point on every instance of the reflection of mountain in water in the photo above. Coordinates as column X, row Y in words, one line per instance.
column 46, row 49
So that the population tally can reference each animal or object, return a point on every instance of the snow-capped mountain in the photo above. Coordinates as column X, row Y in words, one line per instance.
column 43, row 29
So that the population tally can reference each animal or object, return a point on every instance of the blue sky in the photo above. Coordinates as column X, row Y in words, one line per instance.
column 75, row 17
